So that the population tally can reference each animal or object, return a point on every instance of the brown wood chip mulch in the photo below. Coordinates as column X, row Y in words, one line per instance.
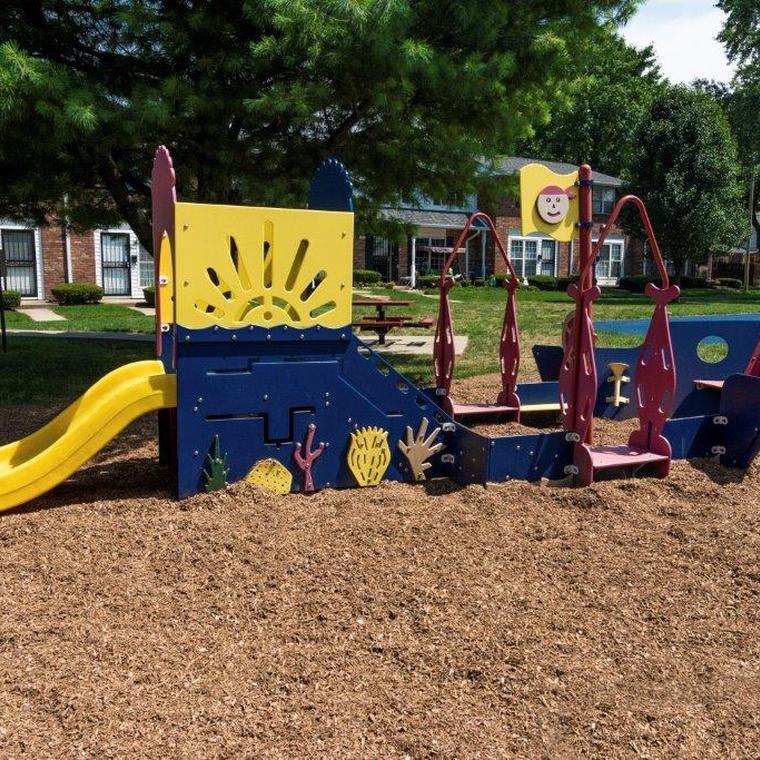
column 620, row 620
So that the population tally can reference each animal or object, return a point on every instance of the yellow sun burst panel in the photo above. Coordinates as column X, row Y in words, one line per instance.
column 242, row 265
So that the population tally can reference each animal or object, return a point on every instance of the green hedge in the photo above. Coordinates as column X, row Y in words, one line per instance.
column 547, row 282
column 11, row 299
column 427, row 281
column 730, row 282
column 74, row 293
column 637, row 283
column 149, row 294
column 543, row 282
column 366, row 277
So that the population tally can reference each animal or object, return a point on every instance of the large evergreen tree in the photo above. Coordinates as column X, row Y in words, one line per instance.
column 687, row 171
column 249, row 95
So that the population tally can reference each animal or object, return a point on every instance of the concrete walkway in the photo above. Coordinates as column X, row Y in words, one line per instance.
column 148, row 311
column 412, row 344
column 41, row 314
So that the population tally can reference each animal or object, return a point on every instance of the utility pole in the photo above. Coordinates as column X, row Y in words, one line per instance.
column 751, row 228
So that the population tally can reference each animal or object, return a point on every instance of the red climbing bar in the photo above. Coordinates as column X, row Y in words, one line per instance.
column 444, row 356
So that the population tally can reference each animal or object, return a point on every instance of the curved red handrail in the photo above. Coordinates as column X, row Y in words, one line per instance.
column 653, row 244
column 509, row 345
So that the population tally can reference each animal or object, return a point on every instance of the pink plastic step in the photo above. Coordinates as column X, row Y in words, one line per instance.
column 606, row 457
column 712, row 384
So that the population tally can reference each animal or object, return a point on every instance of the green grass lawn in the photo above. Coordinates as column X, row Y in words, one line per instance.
column 102, row 317
column 52, row 370
column 480, row 312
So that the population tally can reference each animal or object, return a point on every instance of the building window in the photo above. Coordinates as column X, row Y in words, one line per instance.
column 609, row 262
column 430, row 261
column 381, row 255
column 532, row 256
column 603, row 199
column 114, row 257
column 453, row 199
column 147, row 269
column 20, row 261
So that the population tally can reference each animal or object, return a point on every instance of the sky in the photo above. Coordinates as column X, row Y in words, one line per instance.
column 683, row 34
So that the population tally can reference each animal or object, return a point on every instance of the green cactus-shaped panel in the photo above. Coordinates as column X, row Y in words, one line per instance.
column 217, row 471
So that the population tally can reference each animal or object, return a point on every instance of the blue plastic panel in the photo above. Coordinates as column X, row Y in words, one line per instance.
column 259, row 396
column 740, row 336
column 331, row 188
column 740, row 404
column 693, row 436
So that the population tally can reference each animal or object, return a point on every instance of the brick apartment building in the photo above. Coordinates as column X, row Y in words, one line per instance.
column 38, row 258
column 438, row 224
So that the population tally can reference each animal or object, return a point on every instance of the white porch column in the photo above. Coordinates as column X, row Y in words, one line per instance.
column 413, row 260
column 483, row 254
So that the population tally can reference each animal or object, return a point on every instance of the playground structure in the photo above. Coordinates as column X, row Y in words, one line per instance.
column 259, row 377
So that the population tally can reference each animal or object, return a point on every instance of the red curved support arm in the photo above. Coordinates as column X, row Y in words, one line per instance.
column 509, row 345
column 653, row 244
column 655, row 370
column 753, row 366
column 163, row 198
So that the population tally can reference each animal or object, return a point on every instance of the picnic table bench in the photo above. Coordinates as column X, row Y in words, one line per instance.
column 382, row 323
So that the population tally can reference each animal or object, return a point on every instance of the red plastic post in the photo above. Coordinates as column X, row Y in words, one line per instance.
column 163, row 198
column 577, row 377
column 753, row 366
column 305, row 462
column 655, row 376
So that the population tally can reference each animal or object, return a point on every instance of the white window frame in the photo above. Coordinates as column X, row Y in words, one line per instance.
column 137, row 255
column 597, row 194
column 539, row 241
column 11, row 226
column 608, row 280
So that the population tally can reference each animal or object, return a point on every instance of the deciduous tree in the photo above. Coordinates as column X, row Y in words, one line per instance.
column 250, row 95
column 687, row 171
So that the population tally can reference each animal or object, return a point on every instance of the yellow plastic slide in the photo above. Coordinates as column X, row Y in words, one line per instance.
column 42, row 460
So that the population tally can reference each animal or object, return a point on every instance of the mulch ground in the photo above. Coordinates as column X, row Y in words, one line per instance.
column 513, row 620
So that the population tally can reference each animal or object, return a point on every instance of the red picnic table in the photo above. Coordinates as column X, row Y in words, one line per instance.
column 382, row 323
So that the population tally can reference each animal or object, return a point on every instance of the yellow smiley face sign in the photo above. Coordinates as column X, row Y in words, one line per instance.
column 548, row 202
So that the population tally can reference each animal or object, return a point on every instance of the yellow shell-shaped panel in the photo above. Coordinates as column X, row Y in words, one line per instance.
column 369, row 455
column 240, row 265
column 271, row 475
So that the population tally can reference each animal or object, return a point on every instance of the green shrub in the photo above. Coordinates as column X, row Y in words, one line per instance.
column 366, row 277
column 637, row 283
column 563, row 283
column 11, row 299
column 149, row 294
column 479, row 282
column 73, row 293
column 389, row 285
column 464, row 283
column 730, row 282
column 543, row 282
column 693, row 282
column 427, row 281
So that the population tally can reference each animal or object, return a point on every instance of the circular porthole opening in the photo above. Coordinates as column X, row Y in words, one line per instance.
column 712, row 349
